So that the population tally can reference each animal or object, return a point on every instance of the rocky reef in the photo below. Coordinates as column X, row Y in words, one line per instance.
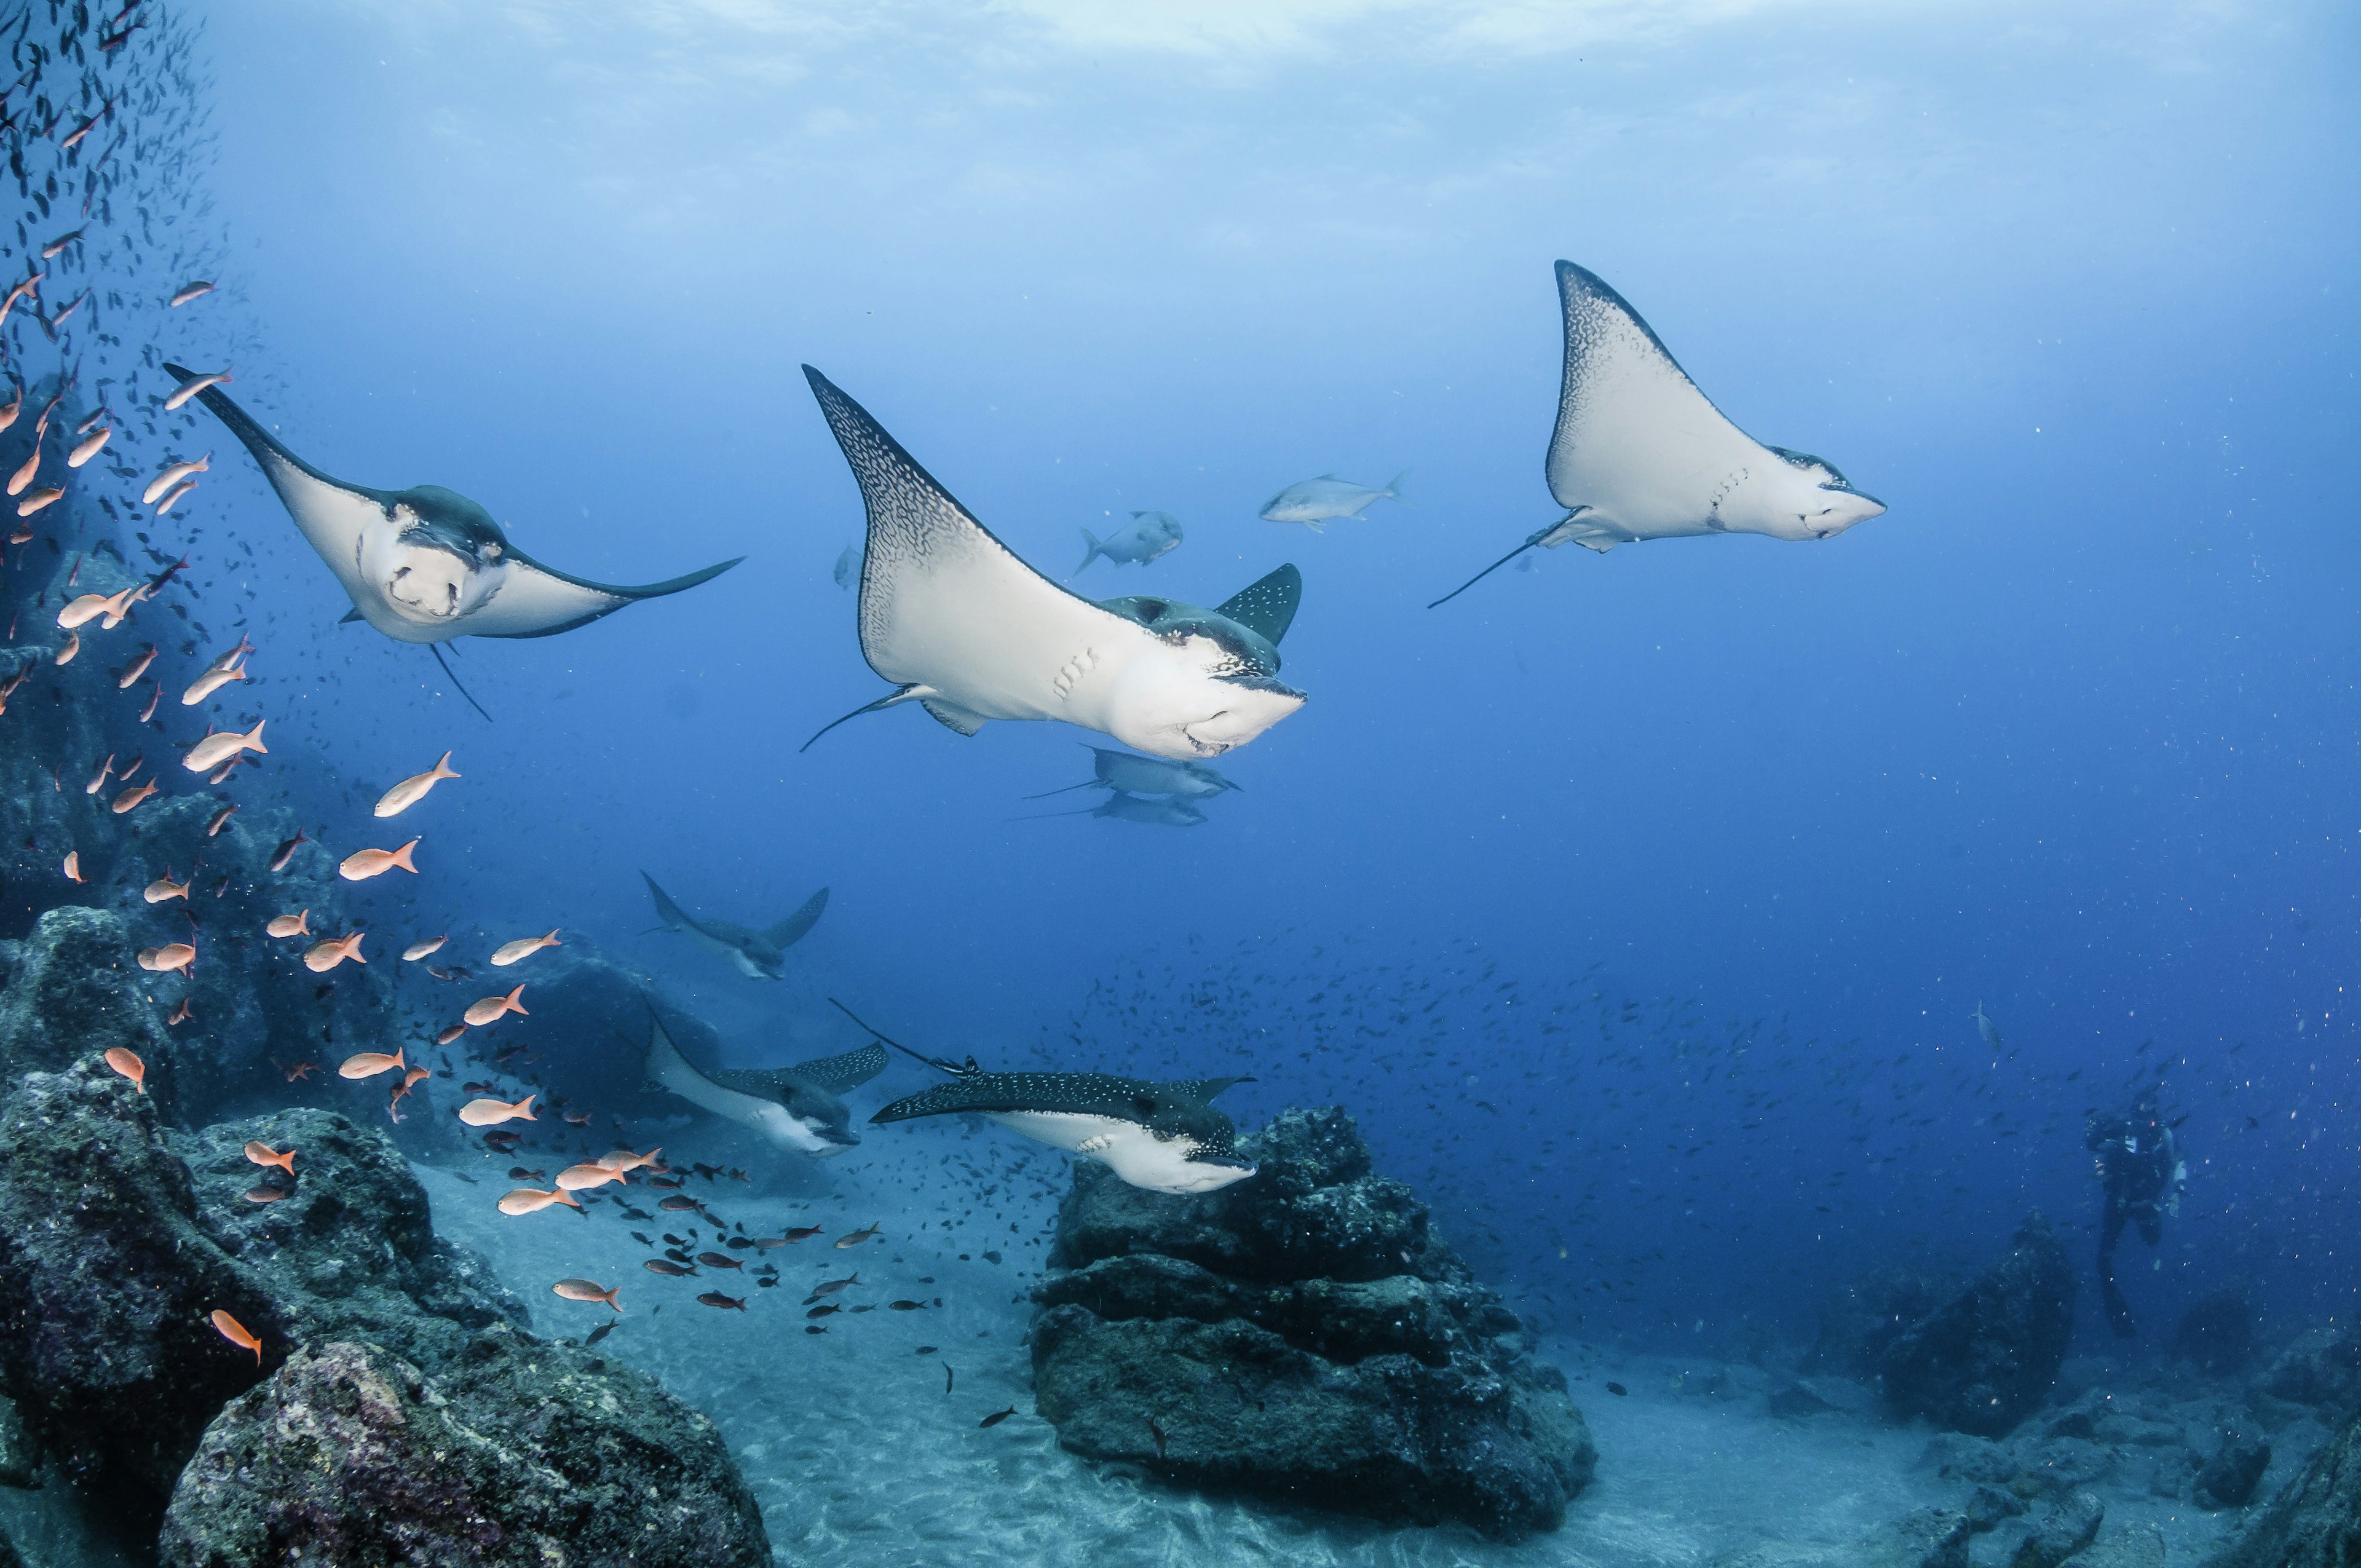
column 120, row 1237
column 518, row 1452
column 1986, row 1359
column 1303, row 1335
column 2315, row 1522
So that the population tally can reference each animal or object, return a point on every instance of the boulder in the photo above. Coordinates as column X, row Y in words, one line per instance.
column 350, row 1253
column 106, row 1284
column 77, row 990
column 1986, row 1359
column 2134, row 1546
column 516, row 1454
column 1304, row 1334
column 2217, row 1335
column 2228, row 1479
column 2070, row 1524
column 114, row 1256
column 2321, row 1370
column 1858, row 1323
column 2315, row 1522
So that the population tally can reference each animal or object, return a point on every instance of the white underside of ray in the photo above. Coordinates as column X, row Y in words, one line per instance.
column 985, row 633
column 530, row 599
column 774, row 1121
column 334, row 521
column 1637, row 443
column 351, row 531
column 736, row 955
column 1128, row 1150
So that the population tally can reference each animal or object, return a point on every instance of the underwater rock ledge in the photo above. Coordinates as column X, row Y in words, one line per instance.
column 1303, row 1335
column 119, row 1236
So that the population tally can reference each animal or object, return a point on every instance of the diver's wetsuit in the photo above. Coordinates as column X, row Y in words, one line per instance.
column 2139, row 1163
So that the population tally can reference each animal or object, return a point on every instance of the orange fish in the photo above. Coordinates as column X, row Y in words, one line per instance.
column 414, row 1075
column 413, row 790
column 66, row 651
column 417, row 950
column 154, row 695
column 265, row 1193
column 624, row 1160
column 98, row 780
column 321, row 957
column 286, row 850
column 35, row 499
column 524, row 948
column 73, row 865
column 492, row 1112
column 368, row 1064
column 263, row 1154
column 528, row 1201
column 236, row 1332
column 181, row 1014
column 164, row 888
column 172, row 956
column 583, row 1290
column 129, row 1066
column 295, row 924
column 578, row 1177
column 221, row 820
column 131, row 798
column 485, row 1009
column 217, row 749
column 363, row 864
column 137, row 668
column 451, row 1034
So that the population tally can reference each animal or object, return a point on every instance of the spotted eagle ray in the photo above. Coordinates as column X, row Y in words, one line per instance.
column 1127, row 774
column 1639, row 452
column 966, row 630
column 797, row 1108
column 427, row 564
column 1164, row 1138
column 758, row 955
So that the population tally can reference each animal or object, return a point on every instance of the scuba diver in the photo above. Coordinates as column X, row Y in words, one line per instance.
column 2138, row 1162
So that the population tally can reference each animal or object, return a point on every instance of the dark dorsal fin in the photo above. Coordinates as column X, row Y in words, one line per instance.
column 1267, row 604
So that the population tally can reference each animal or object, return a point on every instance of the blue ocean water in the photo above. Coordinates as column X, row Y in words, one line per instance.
column 1704, row 850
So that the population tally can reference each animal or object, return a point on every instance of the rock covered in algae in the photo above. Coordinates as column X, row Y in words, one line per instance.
column 1303, row 1335
column 516, row 1452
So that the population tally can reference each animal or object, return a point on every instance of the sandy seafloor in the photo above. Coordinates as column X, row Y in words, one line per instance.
column 857, row 1456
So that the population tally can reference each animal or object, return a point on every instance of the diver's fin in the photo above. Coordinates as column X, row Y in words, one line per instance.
column 899, row 693
column 1267, row 604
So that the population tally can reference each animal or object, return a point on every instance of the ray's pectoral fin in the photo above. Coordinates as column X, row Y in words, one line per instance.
column 848, row 1070
column 797, row 926
column 331, row 514
column 1268, row 605
column 538, row 600
column 957, row 719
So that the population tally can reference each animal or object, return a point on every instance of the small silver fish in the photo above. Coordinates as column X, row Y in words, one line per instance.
column 1152, row 534
column 1314, row 501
